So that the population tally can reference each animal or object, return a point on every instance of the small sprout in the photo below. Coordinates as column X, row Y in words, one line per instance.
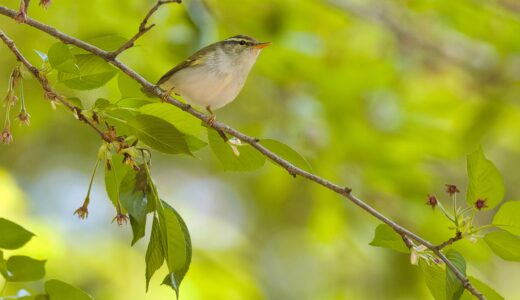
column 21, row 16
column 128, row 160
column 95, row 118
column 432, row 201
column 45, row 3
column 24, row 118
column 451, row 189
column 480, row 204
column 6, row 137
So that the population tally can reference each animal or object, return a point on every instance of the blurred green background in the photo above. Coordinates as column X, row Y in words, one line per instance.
column 386, row 97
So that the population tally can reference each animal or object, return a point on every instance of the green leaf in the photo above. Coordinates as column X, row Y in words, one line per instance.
column 24, row 268
column 76, row 102
column 128, row 87
column 454, row 288
column 485, row 181
column 248, row 160
column 508, row 217
column 114, row 176
column 435, row 278
column 59, row 290
column 176, row 243
column 287, row 153
column 3, row 266
column 154, row 253
column 181, row 120
column 110, row 42
column 133, row 102
column 504, row 244
column 94, row 72
column 159, row 134
column 132, row 197
column 486, row 290
column 386, row 237
column 12, row 235
column 61, row 58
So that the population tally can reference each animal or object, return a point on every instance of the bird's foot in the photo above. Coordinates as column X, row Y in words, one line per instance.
column 212, row 116
column 167, row 94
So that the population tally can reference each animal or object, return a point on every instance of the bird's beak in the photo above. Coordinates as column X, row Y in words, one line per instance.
column 262, row 45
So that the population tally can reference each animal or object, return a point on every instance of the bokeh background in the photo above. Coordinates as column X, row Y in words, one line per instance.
column 386, row 97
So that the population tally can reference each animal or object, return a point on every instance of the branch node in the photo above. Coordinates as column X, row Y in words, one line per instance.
column 348, row 190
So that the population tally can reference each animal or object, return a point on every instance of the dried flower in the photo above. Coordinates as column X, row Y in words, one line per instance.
column 432, row 201
column 24, row 118
column 82, row 212
column 480, row 204
column 16, row 76
column 45, row 3
column 451, row 189
column 6, row 137
column 21, row 16
column 120, row 218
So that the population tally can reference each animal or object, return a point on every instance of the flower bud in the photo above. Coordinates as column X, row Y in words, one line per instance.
column 24, row 118
column 6, row 137
column 45, row 3
column 480, row 204
column 432, row 201
column 451, row 189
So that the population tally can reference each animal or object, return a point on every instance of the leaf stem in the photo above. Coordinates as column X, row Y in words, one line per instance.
column 481, row 228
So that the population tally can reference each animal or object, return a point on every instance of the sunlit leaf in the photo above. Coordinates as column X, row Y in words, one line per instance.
column 504, row 244
column 24, row 268
column 154, row 252
column 93, row 72
column 12, row 235
column 508, row 217
column 435, row 278
column 114, row 176
column 159, row 134
column 248, row 160
column 61, row 58
column 128, row 87
column 287, row 153
column 485, row 181
column 132, row 197
column 485, row 289
column 59, row 290
column 386, row 237
column 454, row 286
column 184, row 122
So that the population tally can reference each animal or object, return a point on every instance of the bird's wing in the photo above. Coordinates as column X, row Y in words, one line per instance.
column 196, row 59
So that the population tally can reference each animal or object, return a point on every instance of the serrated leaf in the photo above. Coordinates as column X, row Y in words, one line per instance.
column 176, row 243
column 93, row 72
column 248, row 160
column 12, row 235
column 504, row 244
column 508, row 217
column 59, row 290
column 485, row 181
column 132, row 197
column 61, row 58
column 435, row 278
column 114, row 176
column 181, row 120
column 386, row 237
column 159, row 134
column 24, row 268
column 454, row 288
column 154, row 253
column 486, row 290
column 287, row 153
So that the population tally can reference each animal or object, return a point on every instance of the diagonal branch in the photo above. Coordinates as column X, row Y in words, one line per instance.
column 143, row 28
column 254, row 142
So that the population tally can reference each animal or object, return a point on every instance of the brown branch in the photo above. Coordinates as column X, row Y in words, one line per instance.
column 143, row 28
column 49, row 92
column 457, row 237
column 292, row 169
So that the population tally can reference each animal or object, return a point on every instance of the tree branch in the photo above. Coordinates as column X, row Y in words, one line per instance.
column 457, row 237
column 142, row 27
column 49, row 92
column 255, row 143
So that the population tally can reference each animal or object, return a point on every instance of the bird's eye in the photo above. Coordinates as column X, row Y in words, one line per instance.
column 242, row 43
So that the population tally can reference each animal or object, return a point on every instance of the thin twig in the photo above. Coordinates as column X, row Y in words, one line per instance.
column 457, row 237
column 143, row 28
column 292, row 169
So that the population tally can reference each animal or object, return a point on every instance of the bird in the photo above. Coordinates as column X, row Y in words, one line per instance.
column 213, row 76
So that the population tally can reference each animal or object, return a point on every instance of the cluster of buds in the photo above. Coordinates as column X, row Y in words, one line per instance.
column 11, row 99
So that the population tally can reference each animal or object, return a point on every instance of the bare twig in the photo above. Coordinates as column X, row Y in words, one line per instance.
column 292, row 169
column 143, row 28
column 457, row 237
column 49, row 92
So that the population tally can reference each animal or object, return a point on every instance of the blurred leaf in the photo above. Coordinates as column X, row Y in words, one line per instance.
column 176, row 243
column 114, row 177
column 454, row 286
column 109, row 42
column 102, row 103
column 485, row 181
column 76, row 102
column 248, row 160
column 12, row 235
column 3, row 266
column 154, row 252
column 435, row 278
column 24, row 268
column 133, row 102
column 159, row 134
column 59, row 290
column 486, row 290
column 93, row 72
column 61, row 58
column 508, row 217
column 42, row 55
column 132, row 197
column 504, row 244
column 287, row 153
column 181, row 120
column 386, row 237
column 128, row 87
